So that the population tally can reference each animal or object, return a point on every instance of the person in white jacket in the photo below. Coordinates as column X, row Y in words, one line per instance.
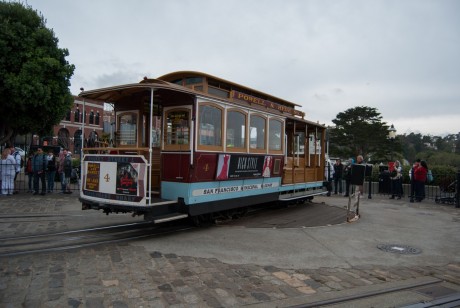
column 7, row 171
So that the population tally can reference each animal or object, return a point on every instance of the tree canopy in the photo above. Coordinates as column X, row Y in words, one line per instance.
column 34, row 74
column 360, row 131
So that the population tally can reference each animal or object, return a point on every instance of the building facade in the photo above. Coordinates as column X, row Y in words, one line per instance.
column 85, row 115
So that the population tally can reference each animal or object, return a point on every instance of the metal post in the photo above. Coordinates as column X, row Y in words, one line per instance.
column 457, row 201
column 370, row 187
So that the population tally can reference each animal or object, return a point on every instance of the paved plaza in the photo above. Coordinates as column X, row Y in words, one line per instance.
column 241, row 263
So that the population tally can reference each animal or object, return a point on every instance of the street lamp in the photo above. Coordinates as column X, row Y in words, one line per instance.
column 392, row 137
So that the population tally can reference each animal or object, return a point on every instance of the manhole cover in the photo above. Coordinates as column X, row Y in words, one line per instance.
column 401, row 249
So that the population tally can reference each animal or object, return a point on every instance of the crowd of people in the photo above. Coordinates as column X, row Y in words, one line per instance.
column 40, row 168
column 339, row 172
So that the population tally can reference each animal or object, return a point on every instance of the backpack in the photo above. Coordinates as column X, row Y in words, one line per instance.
column 67, row 163
column 429, row 176
column 29, row 166
column 15, row 155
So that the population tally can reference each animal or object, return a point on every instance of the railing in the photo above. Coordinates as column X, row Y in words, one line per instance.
column 444, row 190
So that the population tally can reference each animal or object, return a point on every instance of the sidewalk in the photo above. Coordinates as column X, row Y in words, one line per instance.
column 233, row 265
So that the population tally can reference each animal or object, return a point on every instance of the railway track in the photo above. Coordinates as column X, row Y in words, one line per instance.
column 87, row 237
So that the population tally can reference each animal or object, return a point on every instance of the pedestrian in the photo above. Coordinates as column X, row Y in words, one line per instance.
column 30, row 172
column 39, row 165
column 360, row 161
column 338, row 174
column 396, row 181
column 328, row 176
column 17, row 157
column 62, row 156
column 347, row 176
column 420, row 175
column 51, row 170
column 67, row 172
column 412, row 179
column 7, row 171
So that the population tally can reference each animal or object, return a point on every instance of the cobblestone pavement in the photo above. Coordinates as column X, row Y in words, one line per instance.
column 125, row 275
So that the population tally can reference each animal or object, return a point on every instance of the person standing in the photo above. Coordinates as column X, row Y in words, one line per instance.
column 412, row 179
column 396, row 181
column 338, row 173
column 39, row 165
column 62, row 156
column 360, row 161
column 67, row 172
column 30, row 173
column 347, row 176
column 51, row 173
column 420, row 178
column 7, row 171
column 17, row 157
column 328, row 176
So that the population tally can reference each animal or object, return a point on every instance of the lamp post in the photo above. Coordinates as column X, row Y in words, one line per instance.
column 392, row 137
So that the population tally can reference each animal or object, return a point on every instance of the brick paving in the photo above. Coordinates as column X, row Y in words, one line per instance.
column 124, row 275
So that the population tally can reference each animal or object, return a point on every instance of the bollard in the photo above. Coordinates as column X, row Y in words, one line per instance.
column 457, row 190
column 370, row 188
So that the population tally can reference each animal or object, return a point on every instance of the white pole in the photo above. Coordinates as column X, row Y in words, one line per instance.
column 149, row 165
column 82, row 169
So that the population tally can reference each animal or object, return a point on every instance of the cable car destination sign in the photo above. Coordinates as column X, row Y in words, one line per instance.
column 264, row 103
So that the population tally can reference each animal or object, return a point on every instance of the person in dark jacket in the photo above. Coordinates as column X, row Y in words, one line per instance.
column 39, row 166
column 347, row 176
column 338, row 173
column 51, row 170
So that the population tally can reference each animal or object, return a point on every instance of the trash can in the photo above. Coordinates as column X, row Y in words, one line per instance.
column 384, row 182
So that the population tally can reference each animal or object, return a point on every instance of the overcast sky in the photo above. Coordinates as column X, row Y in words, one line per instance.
column 401, row 57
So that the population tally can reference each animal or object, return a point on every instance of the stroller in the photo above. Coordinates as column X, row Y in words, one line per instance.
column 448, row 194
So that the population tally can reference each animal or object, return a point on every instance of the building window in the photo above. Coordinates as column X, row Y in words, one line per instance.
column 77, row 115
column 91, row 117
column 218, row 92
column 236, row 131
column 210, row 126
column 68, row 115
column 97, row 118
column 257, row 133
column 275, row 140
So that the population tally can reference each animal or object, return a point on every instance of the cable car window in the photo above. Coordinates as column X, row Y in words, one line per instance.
column 127, row 134
column 177, row 127
column 210, row 126
column 236, row 131
column 275, row 133
column 257, row 133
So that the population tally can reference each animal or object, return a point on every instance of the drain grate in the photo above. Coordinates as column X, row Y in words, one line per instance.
column 401, row 249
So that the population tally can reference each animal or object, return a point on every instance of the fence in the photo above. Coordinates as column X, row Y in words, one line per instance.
column 443, row 190
column 25, row 184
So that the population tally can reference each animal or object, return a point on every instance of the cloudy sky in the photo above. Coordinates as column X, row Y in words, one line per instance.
column 401, row 57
